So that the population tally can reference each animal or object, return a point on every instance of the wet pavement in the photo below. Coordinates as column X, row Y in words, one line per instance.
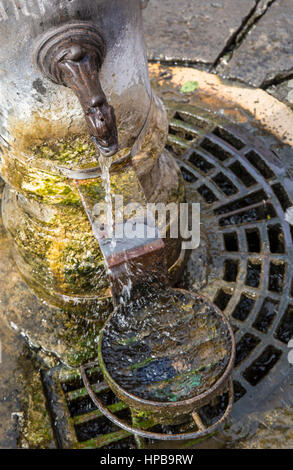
column 249, row 40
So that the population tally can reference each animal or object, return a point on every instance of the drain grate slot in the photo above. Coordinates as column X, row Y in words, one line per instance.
column 276, row 277
column 228, row 137
column 247, row 216
column 243, row 308
column 282, row 196
column 284, row 331
column 276, row 238
column 262, row 366
column 231, row 268
column 245, row 346
column 200, row 163
column 99, row 427
column 231, row 241
column 253, row 240
column 188, row 176
column 253, row 274
column 183, row 129
column 215, row 149
column 239, row 391
column 256, row 160
column 222, row 299
column 242, row 174
column 225, row 185
column 243, row 203
column 196, row 120
column 266, row 315
column 207, row 194
column 85, row 432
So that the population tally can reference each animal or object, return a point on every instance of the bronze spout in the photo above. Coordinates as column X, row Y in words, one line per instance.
column 79, row 71
column 76, row 64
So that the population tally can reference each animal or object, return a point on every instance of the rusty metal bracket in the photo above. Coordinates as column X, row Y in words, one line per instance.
column 72, row 55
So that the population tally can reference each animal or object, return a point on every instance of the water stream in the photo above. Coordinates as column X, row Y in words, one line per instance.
column 105, row 165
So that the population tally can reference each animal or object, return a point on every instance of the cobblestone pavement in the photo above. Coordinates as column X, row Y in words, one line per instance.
column 246, row 40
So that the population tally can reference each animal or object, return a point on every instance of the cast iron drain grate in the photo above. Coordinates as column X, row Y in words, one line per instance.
column 244, row 193
column 77, row 423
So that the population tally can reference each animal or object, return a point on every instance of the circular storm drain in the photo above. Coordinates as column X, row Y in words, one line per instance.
column 244, row 262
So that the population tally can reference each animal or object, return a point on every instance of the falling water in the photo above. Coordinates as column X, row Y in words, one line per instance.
column 105, row 165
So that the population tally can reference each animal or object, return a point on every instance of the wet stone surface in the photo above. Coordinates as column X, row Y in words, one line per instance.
column 266, row 52
column 196, row 31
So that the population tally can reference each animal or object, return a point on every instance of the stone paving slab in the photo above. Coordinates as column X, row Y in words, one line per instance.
column 193, row 30
column 267, row 51
column 283, row 92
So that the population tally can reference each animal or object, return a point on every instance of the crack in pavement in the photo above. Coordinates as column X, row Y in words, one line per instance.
column 258, row 11
column 277, row 79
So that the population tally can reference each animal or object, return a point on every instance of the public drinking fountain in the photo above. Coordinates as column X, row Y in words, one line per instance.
column 92, row 99
column 74, row 89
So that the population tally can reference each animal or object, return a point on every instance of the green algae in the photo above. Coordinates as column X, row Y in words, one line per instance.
column 78, row 151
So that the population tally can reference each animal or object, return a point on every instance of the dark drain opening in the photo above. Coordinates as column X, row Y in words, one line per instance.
column 243, row 308
column 276, row 238
column 282, row 196
column 230, row 138
column 200, row 163
column 210, row 413
column 231, row 241
column 207, row 194
column 266, row 315
column 222, row 299
column 262, row 366
column 182, row 129
column 188, row 176
column 231, row 270
column 77, row 383
column 99, row 427
column 256, row 160
column 242, row 174
column 239, row 391
column 122, row 444
column 256, row 214
column 192, row 118
column 80, row 407
column 215, row 149
column 253, row 274
column 243, row 203
column 224, row 184
column 284, row 330
column 245, row 346
column 276, row 277
column 253, row 240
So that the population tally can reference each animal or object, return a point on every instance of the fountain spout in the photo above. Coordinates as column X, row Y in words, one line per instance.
column 76, row 64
